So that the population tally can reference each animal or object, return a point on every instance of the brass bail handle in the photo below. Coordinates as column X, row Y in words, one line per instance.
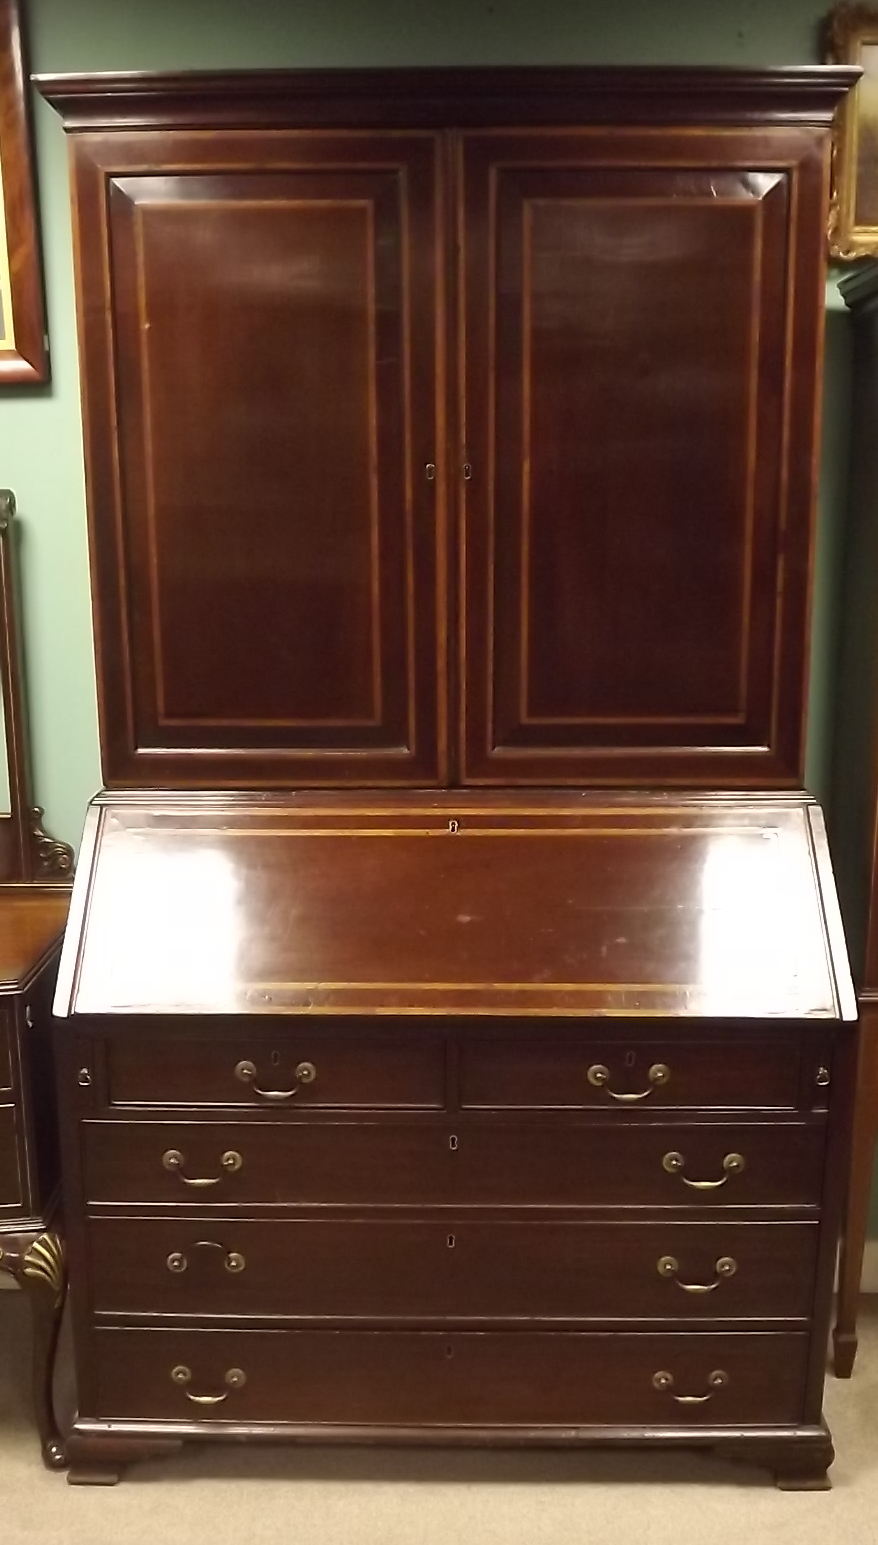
column 173, row 1161
column 235, row 1378
column 733, row 1164
column 245, row 1072
column 599, row 1077
column 233, row 1260
column 663, row 1381
column 669, row 1267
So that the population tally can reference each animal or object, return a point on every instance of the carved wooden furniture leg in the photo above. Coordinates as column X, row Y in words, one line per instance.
column 865, row 1133
column 38, row 1266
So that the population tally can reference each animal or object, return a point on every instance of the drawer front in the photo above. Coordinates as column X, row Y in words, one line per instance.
column 420, row 1270
column 725, row 1073
column 10, row 1175
column 300, row 1067
column 397, row 1378
column 432, row 1164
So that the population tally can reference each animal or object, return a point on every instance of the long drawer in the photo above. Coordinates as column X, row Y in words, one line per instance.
column 517, row 1378
column 728, row 1072
column 429, row 1164
column 10, row 1178
column 454, row 1268
column 299, row 1066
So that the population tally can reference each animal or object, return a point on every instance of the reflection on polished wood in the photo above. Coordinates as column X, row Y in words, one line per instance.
column 360, row 518
column 661, row 908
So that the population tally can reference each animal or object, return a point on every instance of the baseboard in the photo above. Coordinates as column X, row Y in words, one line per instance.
column 869, row 1279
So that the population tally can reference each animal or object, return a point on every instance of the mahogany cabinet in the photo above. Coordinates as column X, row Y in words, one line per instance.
column 449, row 429
column 435, row 1118
column 425, row 451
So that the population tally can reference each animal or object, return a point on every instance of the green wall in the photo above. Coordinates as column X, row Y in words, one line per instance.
column 40, row 450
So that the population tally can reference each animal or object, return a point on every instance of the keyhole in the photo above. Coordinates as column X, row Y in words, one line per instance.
column 451, row 1241
column 449, row 1351
column 275, row 1059
column 452, row 1143
column 454, row 826
column 630, row 1059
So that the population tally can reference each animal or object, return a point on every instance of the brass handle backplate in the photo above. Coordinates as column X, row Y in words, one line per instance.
column 599, row 1077
column 174, row 1161
column 305, row 1073
column 664, row 1382
column 235, row 1378
column 233, row 1260
column 669, row 1267
column 733, row 1164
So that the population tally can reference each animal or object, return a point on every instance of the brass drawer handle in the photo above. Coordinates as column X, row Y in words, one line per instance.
column 668, row 1266
column 174, row 1160
column 233, row 1261
column 305, row 1073
column 598, row 1076
column 664, row 1381
column 733, row 1164
column 235, row 1378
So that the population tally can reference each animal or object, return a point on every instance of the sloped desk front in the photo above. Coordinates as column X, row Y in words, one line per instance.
column 445, row 1119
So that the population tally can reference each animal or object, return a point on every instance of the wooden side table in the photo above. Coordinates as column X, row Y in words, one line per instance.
column 35, row 872
column 31, row 1250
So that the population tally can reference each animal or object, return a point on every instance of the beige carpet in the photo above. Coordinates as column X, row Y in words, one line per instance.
column 360, row 1497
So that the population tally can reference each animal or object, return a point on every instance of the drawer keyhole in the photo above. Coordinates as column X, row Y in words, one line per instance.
column 451, row 1241
column 453, row 1144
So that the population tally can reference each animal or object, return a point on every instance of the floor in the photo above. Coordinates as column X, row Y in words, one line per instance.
column 361, row 1497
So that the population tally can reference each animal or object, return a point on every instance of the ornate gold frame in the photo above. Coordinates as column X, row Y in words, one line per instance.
column 23, row 350
column 848, row 29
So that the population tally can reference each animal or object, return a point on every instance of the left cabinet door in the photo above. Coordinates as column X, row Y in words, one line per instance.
column 259, row 315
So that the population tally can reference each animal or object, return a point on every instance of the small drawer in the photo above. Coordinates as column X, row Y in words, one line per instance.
column 10, row 1176
column 452, row 1269
column 724, row 1072
column 392, row 1378
column 295, row 1067
column 433, row 1163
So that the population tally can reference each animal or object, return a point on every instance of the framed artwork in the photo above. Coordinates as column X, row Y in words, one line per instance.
column 23, row 352
column 851, row 37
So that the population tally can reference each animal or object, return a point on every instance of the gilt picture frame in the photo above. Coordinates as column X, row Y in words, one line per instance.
column 24, row 357
column 851, row 37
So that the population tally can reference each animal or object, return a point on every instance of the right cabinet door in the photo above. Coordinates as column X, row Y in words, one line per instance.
column 640, row 318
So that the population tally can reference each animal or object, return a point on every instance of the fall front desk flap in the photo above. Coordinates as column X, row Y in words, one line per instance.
column 568, row 905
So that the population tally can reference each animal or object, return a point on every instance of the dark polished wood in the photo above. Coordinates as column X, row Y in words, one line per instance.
column 426, row 905
column 431, row 97
column 444, row 1114
column 452, row 1268
column 855, row 790
column 385, row 1163
column 27, row 360
column 33, row 912
column 629, row 303
column 426, row 1179
column 31, row 1250
column 499, row 1378
column 628, row 344
column 273, row 313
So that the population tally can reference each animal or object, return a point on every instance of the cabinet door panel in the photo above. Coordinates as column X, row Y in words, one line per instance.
column 265, row 557
column 639, row 323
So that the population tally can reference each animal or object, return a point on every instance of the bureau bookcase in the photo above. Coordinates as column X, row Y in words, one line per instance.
column 454, row 1019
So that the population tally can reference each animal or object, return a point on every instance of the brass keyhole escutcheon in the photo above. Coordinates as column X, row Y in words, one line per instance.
column 453, row 1143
